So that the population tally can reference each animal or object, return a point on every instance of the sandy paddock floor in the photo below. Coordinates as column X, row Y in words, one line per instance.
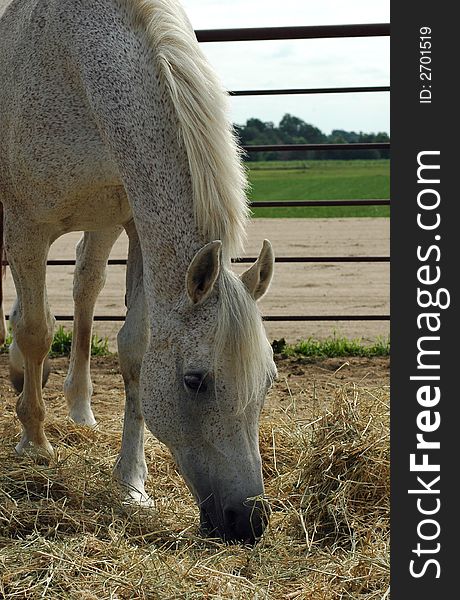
column 299, row 288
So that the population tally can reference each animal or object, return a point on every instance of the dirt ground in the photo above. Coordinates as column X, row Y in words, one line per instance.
column 299, row 288
column 302, row 384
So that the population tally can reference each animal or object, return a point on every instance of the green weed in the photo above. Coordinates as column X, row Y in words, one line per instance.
column 332, row 347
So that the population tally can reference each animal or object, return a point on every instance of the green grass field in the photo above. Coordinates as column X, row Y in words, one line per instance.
column 320, row 180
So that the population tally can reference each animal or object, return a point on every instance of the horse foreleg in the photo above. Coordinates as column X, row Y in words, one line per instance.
column 90, row 273
column 16, row 364
column 130, row 469
column 2, row 324
column 32, row 325
column 3, row 329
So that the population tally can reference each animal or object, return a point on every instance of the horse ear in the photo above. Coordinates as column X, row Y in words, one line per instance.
column 203, row 271
column 258, row 277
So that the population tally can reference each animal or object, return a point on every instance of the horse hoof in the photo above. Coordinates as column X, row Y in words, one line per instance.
column 83, row 417
column 136, row 497
column 39, row 452
column 139, row 500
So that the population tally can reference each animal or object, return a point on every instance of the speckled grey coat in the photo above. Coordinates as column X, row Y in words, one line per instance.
column 100, row 128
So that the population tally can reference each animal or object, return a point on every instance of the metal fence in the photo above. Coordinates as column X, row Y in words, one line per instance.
column 291, row 33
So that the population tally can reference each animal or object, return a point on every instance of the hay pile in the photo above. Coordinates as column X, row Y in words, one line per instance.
column 65, row 533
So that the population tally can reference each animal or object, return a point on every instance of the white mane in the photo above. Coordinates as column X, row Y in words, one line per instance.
column 241, row 337
column 218, row 178
column 4, row 5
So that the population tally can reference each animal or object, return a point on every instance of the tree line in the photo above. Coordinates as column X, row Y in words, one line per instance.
column 292, row 130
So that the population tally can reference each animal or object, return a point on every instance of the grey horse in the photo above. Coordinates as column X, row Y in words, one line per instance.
column 111, row 118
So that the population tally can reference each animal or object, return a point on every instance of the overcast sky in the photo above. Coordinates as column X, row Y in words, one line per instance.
column 301, row 63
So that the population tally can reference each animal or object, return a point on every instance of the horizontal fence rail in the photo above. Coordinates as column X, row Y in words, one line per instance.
column 309, row 32
column 293, row 203
column 326, row 318
column 281, row 318
column 292, row 33
column 70, row 262
column 292, row 91
column 320, row 259
column 316, row 147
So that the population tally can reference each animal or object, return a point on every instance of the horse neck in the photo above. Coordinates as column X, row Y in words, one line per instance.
column 159, row 188
column 160, row 193
column 164, row 217
column 138, row 123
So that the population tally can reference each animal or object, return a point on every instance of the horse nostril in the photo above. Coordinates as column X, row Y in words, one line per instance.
column 246, row 522
column 230, row 519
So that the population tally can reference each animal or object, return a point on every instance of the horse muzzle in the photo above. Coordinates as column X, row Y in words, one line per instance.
column 235, row 523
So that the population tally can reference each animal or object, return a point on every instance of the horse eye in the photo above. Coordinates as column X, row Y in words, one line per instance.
column 195, row 381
